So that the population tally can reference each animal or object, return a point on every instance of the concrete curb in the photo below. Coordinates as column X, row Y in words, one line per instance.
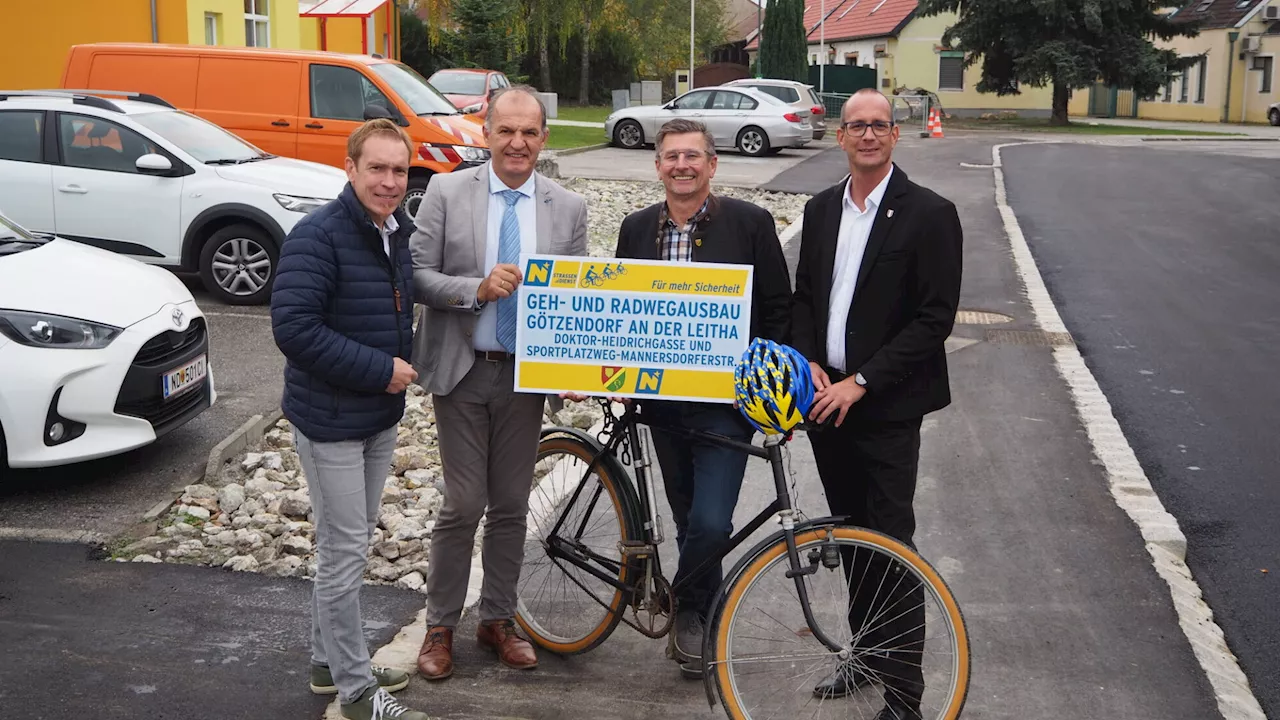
column 247, row 435
column 71, row 537
column 579, row 150
column 1129, row 485
column 1209, row 138
column 791, row 233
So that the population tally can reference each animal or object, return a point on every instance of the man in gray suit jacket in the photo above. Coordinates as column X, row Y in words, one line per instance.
column 471, row 228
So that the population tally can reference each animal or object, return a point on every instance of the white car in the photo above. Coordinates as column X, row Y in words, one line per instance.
column 139, row 178
column 737, row 117
column 99, row 354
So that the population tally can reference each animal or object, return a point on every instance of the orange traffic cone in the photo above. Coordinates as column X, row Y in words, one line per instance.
column 935, row 124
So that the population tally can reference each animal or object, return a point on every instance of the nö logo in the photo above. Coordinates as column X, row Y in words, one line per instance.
column 649, row 381
column 538, row 273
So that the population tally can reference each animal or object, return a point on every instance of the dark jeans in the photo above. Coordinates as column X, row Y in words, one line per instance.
column 702, row 482
column 869, row 474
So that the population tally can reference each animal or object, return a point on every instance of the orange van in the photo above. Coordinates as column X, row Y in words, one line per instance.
column 293, row 103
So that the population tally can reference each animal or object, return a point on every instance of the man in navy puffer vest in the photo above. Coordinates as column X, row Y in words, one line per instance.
column 342, row 314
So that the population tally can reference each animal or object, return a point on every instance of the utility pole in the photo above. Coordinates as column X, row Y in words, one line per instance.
column 691, row 5
column 822, row 47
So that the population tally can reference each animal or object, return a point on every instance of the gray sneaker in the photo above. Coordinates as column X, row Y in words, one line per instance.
column 389, row 679
column 377, row 704
column 688, row 637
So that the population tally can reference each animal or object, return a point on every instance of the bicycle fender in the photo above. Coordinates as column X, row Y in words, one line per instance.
column 710, row 681
column 631, row 500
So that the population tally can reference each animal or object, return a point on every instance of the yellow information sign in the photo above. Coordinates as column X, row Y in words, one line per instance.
column 632, row 328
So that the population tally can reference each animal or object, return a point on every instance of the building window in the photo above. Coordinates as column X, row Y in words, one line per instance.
column 1184, row 86
column 210, row 28
column 1168, row 91
column 951, row 71
column 1265, row 64
column 851, row 58
column 1202, row 78
column 257, row 23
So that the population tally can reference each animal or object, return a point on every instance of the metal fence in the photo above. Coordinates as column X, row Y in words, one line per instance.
column 911, row 112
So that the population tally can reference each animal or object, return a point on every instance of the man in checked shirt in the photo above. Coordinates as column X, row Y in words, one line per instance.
column 702, row 481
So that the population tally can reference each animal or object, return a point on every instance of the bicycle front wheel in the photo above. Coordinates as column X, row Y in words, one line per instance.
column 565, row 605
column 902, row 636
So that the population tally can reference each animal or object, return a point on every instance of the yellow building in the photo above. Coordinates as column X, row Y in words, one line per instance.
column 35, row 57
column 906, row 52
column 1233, row 80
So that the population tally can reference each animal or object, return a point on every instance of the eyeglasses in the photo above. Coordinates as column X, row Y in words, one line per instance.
column 673, row 156
column 880, row 128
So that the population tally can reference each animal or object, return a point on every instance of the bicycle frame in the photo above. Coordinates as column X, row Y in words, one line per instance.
column 772, row 452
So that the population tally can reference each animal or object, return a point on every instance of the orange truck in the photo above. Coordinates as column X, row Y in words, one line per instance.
column 293, row 103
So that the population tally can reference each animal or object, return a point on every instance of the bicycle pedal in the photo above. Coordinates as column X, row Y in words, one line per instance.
column 635, row 549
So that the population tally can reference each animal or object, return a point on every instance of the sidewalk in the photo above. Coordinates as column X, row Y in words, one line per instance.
column 1261, row 131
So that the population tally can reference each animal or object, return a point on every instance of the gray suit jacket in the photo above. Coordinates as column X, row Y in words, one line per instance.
column 448, row 249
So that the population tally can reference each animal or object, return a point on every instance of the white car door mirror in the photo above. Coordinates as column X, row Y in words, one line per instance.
column 154, row 163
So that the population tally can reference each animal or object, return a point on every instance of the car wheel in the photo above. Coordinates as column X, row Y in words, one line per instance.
column 413, row 195
column 753, row 141
column 628, row 134
column 1274, row 115
column 238, row 265
column 4, row 453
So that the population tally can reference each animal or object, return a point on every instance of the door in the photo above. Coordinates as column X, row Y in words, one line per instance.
column 690, row 105
column 726, row 116
column 26, row 180
column 100, row 197
column 332, row 110
column 263, row 112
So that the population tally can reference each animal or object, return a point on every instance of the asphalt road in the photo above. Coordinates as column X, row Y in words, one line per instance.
column 109, row 495
column 1163, row 263
column 114, row 641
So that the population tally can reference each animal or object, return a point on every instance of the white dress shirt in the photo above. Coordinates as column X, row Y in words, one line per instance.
column 388, row 227
column 486, row 332
column 851, row 244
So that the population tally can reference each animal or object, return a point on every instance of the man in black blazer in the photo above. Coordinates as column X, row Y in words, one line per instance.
column 693, row 225
column 877, row 287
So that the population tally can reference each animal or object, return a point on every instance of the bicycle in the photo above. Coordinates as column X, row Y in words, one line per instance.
column 592, row 559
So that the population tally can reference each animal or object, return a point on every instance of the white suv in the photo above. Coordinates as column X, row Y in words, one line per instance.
column 137, row 177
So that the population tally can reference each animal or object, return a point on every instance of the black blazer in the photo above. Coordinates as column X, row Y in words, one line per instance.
column 904, row 302
column 734, row 231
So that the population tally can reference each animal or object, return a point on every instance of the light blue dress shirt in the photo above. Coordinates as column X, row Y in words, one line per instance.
column 486, row 332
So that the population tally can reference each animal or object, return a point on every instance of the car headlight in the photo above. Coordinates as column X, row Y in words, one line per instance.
column 472, row 154
column 472, row 108
column 302, row 205
column 54, row 331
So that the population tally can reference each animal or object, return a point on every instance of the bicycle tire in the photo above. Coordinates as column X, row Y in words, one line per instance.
column 765, row 554
column 615, row 482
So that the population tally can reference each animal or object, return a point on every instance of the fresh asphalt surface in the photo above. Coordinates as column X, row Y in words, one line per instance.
column 1065, row 614
column 84, row 638
column 1164, row 266
column 108, row 495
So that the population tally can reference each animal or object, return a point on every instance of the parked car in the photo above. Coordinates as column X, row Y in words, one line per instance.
column 801, row 97
column 1273, row 113
column 137, row 177
column 298, row 104
column 469, row 90
column 748, row 120
column 99, row 354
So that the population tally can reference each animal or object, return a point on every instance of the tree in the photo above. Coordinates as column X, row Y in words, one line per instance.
column 1070, row 44
column 486, row 36
column 783, row 48
column 419, row 49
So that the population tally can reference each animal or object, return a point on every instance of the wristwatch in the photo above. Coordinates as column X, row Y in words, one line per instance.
column 860, row 380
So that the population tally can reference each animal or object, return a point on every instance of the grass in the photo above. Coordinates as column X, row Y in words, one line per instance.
column 1075, row 127
column 592, row 113
column 568, row 136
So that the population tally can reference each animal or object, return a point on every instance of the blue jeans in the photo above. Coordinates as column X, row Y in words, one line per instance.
column 702, row 482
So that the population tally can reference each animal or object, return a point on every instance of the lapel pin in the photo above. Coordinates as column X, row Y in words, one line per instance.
column 889, row 213
column 697, row 241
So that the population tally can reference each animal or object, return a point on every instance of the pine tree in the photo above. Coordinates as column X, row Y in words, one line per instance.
column 1068, row 44
column 783, row 49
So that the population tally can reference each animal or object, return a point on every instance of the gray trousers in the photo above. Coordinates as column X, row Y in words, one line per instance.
column 345, row 480
column 488, row 444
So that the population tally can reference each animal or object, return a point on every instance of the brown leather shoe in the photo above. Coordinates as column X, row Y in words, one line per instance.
column 513, row 650
column 435, row 659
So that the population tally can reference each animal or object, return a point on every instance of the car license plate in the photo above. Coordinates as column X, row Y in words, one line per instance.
column 180, row 380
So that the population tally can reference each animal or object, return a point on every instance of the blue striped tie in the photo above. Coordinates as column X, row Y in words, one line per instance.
column 508, row 252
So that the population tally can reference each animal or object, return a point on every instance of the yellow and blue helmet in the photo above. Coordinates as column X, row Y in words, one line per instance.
column 773, row 386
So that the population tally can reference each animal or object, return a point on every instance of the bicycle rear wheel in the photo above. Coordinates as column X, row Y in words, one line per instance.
column 562, row 606
column 901, row 631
